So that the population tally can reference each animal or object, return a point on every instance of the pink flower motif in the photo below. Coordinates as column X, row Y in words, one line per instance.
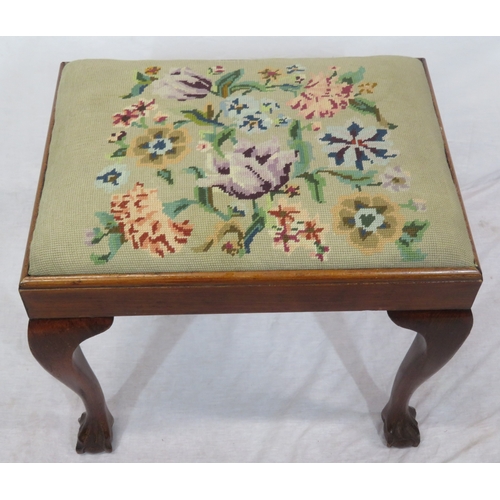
column 294, row 228
column 287, row 234
column 203, row 146
column 160, row 118
column 316, row 126
column 142, row 107
column 321, row 98
column 125, row 118
column 292, row 191
column 216, row 70
column 139, row 214
column 115, row 137
column 270, row 74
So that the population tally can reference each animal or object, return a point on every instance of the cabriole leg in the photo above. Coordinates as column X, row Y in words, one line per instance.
column 439, row 336
column 55, row 343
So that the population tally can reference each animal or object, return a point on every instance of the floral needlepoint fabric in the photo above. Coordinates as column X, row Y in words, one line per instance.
column 170, row 166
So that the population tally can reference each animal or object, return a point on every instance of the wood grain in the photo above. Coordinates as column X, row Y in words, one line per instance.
column 55, row 343
column 439, row 336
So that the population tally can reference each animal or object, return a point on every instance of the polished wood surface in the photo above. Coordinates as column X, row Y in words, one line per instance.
column 264, row 291
column 55, row 343
column 439, row 336
column 245, row 298
column 66, row 310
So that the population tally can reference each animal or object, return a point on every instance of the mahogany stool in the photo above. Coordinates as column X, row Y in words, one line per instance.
column 196, row 187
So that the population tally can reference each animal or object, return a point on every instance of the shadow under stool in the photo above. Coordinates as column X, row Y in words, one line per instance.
column 278, row 185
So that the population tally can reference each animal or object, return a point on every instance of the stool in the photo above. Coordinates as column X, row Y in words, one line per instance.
column 197, row 187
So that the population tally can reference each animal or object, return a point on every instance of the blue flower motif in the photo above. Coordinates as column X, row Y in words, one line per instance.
column 242, row 105
column 357, row 145
column 256, row 122
column 112, row 177
column 282, row 120
column 269, row 105
column 295, row 68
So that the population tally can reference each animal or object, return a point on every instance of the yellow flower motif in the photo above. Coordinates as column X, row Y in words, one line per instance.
column 160, row 147
column 152, row 70
column 270, row 74
column 368, row 222
column 366, row 88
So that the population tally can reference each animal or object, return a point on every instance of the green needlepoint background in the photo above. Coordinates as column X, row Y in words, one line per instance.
column 91, row 94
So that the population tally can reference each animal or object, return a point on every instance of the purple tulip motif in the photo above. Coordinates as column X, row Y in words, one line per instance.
column 251, row 170
column 182, row 84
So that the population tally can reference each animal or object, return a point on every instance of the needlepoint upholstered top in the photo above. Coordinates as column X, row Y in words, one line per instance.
column 192, row 187
column 182, row 166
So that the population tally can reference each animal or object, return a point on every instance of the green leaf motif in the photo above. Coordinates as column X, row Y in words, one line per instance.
column 141, row 78
column 174, row 208
column 247, row 87
column 99, row 259
column 180, row 123
column 364, row 106
column 223, row 84
column 207, row 136
column 198, row 117
column 136, row 90
column 288, row 87
column 315, row 184
column 115, row 242
column 367, row 107
column 304, row 149
column 166, row 175
column 198, row 172
column 226, row 135
column 352, row 77
column 235, row 211
column 204, row 197
column 295, row 131
column 354, row 178
column 412, row 233
column 257, row 225
column 141, row 123
column 107, row 220
column 410, row 254
column 98, row 235
column 119, row 153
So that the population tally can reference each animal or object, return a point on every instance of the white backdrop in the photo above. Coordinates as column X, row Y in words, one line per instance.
column 253, row 388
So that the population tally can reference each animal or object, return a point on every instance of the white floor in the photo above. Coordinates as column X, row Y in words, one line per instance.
column 253, row 388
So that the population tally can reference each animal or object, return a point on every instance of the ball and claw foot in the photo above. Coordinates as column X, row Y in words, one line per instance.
column 95, row 435
column 401, row 430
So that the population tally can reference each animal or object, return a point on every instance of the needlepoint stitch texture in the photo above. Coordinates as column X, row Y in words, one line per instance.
column 171, row 166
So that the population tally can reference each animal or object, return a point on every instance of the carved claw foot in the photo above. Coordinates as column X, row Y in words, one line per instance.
column 439, row 335
column 55, row 343
column 401, row 429
column 95, row 435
